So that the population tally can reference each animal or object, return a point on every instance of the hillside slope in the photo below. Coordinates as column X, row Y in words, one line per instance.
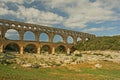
column 100, row 43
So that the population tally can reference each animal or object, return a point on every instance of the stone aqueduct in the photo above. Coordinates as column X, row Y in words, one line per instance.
column 6, row 25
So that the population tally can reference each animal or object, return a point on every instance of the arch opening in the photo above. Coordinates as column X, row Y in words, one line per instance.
column 29, row 36
column 57, row 39
column 12, row 48
column 69, row 40
column 45, row 49
column 86, row 39
column 12, row 34
column 79, row 39
column 30, row 48
column 60, row 49
column 43, row 37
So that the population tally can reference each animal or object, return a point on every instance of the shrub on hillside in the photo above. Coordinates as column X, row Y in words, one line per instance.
column 100, row 43
column 78, row 55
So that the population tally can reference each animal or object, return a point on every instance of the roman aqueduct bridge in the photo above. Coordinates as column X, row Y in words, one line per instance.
column 37, row 30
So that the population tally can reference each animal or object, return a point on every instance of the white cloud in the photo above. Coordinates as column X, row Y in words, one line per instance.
column 80, row 12
column 14, row 1
column 5, row 11
column 57, row 3
column 109, row 4
column 33, row 15
column 88, row 12
column 96, row 29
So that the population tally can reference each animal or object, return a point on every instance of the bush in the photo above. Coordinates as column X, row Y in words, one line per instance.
column 74, row 59
column 7, row 58
column 78, row 55
column 108, row 56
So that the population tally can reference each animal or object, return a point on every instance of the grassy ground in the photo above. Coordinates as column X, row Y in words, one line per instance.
column 83, row 71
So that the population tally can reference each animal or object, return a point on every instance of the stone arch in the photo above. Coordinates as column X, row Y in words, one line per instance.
column 45, row 49
column 57, row 38
column 12, row 47
column 30, row 48
column 29, row 35
column 60, row 49
column 12, row 34
column 70, row 40
column 44, row 37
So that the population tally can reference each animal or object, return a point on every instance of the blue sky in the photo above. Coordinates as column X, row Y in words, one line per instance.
column 99, row 17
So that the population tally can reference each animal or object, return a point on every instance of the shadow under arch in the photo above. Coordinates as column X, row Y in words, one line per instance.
column 30, row 48
column 11, row 48
column 60, row 49
column 45, row 49
column 12, row 34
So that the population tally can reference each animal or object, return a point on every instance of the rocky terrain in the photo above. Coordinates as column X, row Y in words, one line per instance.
column 50, row 60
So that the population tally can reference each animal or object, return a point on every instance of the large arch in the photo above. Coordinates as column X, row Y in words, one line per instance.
column 60, row 49
column 70, row 40
column 29, row 35
column 30, row 48
column 57, row 38
column 12, row 47
column 12, row 34
column 44, row 37
column 45, row 49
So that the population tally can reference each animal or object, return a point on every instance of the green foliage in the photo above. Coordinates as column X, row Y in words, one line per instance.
column 60, row 49
column 108, row 56
column 61, row 73
column 30, row 48
column 12, row 47
column 7, row 58
column 100, row 43
column 78, row 55
column 74, row 59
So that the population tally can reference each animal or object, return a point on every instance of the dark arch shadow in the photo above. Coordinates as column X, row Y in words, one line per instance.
column 61, row 49
column 12, row 48
column 45, row 49
column 30, row 48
